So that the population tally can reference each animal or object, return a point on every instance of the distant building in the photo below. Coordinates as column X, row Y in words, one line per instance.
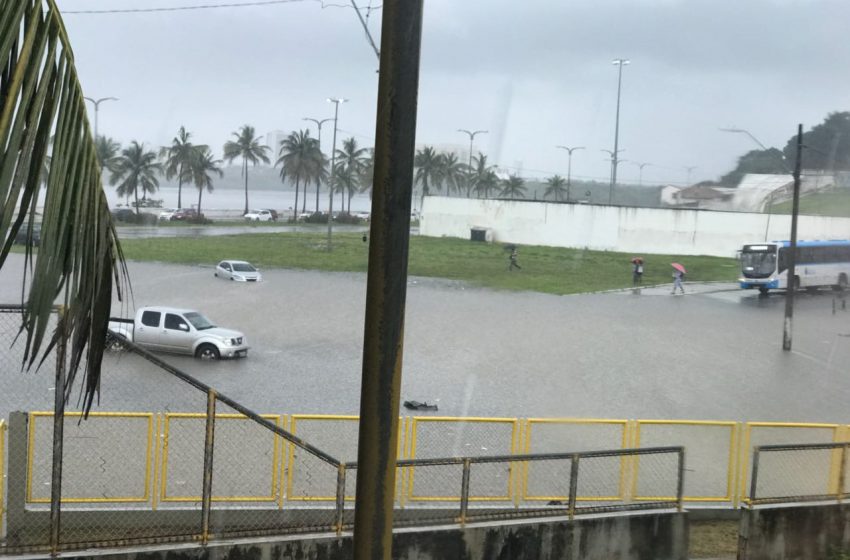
column 273, row 140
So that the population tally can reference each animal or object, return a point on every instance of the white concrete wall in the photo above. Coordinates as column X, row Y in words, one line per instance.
column 615, row 228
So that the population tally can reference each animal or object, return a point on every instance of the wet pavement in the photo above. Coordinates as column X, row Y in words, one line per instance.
column 714, row 353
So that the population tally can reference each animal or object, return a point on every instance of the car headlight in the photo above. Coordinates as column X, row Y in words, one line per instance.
column 237, row 277
column 227, row 341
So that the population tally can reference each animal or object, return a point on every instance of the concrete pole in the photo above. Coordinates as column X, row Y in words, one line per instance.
column 386, row 287
column 792, row 254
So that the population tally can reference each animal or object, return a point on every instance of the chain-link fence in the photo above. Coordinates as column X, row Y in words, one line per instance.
column 799, row 472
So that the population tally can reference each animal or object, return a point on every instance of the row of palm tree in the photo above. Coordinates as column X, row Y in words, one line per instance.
column 437, row 171
column 301, row 161
column 136, row 168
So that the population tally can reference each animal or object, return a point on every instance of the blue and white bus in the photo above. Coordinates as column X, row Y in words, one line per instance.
column 819, row 264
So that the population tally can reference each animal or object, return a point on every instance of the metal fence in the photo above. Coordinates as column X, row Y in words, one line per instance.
column 799, row 473
column 196, row 466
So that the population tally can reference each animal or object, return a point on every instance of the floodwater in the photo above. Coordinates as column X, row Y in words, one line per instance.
column 712, row 354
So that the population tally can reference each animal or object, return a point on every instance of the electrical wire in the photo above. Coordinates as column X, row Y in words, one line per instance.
column 207, row 7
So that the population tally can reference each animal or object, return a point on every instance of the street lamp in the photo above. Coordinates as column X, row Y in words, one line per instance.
column 336, row 101
column 569, row 164
column 319, row 124
column 770, row 195
column 96, row 103
column 689, row 169
column 619, row 62
column 472, row 135
column 640, row 171
column 792, row 249
column 614, row 163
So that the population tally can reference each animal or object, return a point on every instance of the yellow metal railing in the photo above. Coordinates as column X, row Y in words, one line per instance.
column 167, row 447
column 728, row 460
column 32, row 443
column 584, row 429
column 730, row 446
column 782, row 433
column 2, row 470
column 414, row 436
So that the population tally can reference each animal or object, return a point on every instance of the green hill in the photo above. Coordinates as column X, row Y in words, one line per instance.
column 834, row 203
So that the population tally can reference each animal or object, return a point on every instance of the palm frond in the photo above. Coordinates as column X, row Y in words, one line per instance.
column 79, row 257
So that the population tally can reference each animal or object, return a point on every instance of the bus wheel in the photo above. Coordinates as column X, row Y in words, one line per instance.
column 763, row 291
column 842, row 283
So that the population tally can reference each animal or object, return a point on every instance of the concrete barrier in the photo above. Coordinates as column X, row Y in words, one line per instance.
column 798, row 532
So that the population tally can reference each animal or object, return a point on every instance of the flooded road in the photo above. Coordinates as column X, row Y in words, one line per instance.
column 714, row 353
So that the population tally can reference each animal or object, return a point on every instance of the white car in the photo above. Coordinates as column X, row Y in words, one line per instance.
column 167, row 214
column 259, row 216
column 239, row 271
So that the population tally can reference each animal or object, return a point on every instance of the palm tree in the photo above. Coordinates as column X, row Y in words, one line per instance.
column 478, row 173
column 136, row 169
column 367, row 172
column 247, row 147
column 300, row 159
column 201, row 165
column 178, row 157
column 451, row 171
column 513, row 186
column 557, row 187
column 80, row 263
column 350, row 159
column 427, row 164
column 486, row 184
column 107, row 153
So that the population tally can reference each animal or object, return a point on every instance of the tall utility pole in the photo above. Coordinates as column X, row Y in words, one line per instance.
column 319, row 124
column 386, row 286
column 619, row 62
column 792, row 251
column 614, row 162
column 471, row 139
column 96, row 103
column 569, row 165
column 640, row 171
column 336, row 101
column 689, row 169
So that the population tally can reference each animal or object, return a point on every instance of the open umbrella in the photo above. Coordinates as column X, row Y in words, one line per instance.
column 679, row 267
column 637, row 260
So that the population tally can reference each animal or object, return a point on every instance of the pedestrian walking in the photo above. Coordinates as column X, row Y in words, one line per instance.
column 513, row 264
column 678, row 278
column 637, row 271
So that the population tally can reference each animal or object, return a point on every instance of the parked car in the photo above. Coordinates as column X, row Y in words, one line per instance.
column 240, row 271
column 123, row 214
column 185, row 214
column 273, row 212
column 180, row 331
column 168, row 214
column 260, row 215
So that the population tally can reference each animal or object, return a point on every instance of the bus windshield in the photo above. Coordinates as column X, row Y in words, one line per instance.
column 758, row 264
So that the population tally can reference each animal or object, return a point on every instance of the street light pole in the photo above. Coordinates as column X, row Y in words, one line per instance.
column 640, row 171
column 619, row 62
column 614, row 162
column 336, row 101
column 792, row 253
column 472, row 135
column 319, row 124
column 569, row 165
column 96, row 103
column 689, row 169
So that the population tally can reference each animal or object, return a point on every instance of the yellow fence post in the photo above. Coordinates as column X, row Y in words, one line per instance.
column 2, row 468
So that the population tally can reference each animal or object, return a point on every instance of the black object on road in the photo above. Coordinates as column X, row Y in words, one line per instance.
column 416, row 405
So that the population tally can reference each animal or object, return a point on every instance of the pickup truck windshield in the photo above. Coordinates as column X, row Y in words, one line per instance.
column 199, row 321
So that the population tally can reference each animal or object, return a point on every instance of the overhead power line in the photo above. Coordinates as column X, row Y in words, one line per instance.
column 208, row 7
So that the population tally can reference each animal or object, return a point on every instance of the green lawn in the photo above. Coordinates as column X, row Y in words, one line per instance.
column 835, row 203
column 544, row 269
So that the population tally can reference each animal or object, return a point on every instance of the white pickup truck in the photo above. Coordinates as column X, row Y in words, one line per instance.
column 180, row 331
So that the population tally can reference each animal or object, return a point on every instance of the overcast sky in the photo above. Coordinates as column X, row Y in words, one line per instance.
column 535, row 73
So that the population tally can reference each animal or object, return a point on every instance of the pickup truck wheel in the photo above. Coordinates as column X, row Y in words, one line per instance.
column 115, row 342
column 207, row 352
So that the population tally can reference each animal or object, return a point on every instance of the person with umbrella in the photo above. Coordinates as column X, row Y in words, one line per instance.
column 678, row 277
column 637, row 271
